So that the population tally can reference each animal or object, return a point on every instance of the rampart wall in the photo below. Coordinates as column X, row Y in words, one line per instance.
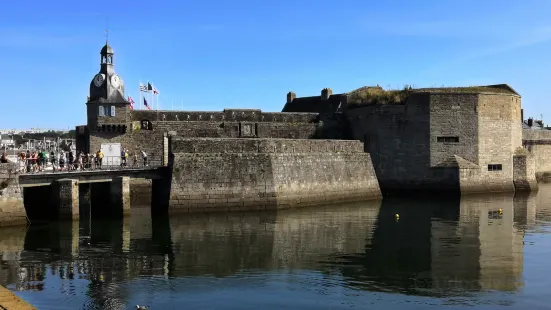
column 235, row 115
column 259, row 174
column 397, row 137
column 441, row 140
column 226, row 124
column 12, row 211
column 211, row 145
column 538, row 143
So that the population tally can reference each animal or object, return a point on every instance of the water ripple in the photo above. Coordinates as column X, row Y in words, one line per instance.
column 477, row 252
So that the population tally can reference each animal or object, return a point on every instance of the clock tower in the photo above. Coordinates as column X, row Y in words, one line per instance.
column 107, row 108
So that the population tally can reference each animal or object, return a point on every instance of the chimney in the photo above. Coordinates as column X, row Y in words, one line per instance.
column 522, row 115
column 291, row 96
column 326, row 93
column 530, row 122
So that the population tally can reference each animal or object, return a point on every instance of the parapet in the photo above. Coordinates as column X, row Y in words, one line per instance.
column 227, row 115
column 269, row 145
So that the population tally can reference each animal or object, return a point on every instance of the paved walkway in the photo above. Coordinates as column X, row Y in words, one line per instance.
column 9, row 301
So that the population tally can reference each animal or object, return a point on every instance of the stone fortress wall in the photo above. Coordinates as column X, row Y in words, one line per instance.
column 243, row 159
column 434, row 141
column 463, row 140
column 538, row 143
column 12, row 211
column 444, row 140
column 260, row 174
column 225, row 124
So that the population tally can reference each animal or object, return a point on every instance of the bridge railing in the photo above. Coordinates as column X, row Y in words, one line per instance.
column 86, row 164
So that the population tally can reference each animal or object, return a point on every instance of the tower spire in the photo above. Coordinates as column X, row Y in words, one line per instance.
column 106, row 29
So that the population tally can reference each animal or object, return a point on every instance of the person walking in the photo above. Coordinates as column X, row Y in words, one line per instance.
column 126, row 157
column 99, row 156
column 123, row 163
column 61, row 161
column 71, row 164
column 144, row 157
column 53, row 160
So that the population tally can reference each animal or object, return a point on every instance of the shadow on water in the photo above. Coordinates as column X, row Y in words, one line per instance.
column 438, row 248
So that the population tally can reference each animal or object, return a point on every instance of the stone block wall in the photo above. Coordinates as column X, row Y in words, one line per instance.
column 65, row 196
column 227, row 115
column 409, row 141
column 12, row 210
column 247, row 174
column 524, row 172
column 453, row 116
column 230, row 123
column 538, row 143
column 140, row 193
column 499, row 134
column 213, row 145
column 476, row 180
column 397, row 136
column 316, row 178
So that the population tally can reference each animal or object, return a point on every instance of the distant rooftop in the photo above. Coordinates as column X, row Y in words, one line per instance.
column 533, row 124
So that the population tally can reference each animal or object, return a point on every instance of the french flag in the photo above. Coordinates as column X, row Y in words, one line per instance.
column 145, row 104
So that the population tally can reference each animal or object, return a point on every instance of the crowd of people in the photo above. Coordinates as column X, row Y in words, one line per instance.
column 37, row 161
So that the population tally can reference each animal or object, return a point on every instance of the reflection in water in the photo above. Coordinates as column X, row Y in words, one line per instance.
column 312, row 257
column 441, row 248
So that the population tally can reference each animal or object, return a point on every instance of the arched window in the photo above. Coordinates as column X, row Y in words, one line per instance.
column 146, row 125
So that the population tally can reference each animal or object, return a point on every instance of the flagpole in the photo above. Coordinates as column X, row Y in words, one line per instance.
column 140, row 91
column 147, row 94
column 155, row 98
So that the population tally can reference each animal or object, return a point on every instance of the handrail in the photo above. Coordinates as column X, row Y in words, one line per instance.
column 85, row 163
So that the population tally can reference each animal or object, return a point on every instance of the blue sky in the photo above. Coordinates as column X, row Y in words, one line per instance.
column 248, row 54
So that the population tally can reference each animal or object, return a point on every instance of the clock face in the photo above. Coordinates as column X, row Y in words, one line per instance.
column 115, row 81
column 98, row 79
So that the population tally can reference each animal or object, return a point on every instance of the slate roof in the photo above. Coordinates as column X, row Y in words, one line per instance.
column 537, row 125
column 314, row 104
column 116, row 97
column 107, row 49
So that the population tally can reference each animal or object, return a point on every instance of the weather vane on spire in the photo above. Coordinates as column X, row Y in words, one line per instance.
column 106, row 29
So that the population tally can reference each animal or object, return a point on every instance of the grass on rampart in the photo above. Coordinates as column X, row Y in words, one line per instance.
column 378, row 95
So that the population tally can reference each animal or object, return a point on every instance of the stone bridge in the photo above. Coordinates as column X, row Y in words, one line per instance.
column 92, row 176
column 61, row 189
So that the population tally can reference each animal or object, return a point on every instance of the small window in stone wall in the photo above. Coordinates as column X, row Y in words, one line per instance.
column 495, row 167
column 447, row 139
column 146, row 125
